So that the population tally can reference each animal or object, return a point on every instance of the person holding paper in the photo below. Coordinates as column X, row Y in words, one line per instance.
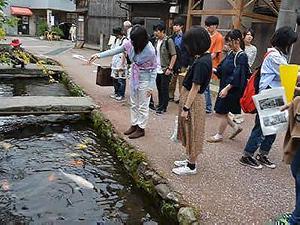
column 282, row 40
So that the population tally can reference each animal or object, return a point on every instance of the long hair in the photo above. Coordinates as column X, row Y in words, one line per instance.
column 283, row 38
column 236, row 35
column 196, row 40
column 139, row 38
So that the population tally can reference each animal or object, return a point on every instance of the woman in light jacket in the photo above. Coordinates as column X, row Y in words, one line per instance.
column 143, row 75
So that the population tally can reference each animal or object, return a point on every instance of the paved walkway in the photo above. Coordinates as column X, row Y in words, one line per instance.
column 224, row 191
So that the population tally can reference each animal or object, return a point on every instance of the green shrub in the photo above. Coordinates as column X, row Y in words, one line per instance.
column 57, row 31
column 42, row 27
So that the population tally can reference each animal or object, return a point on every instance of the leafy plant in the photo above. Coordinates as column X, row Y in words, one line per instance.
column 5, row 20
column 57, row 31
column 42, row 27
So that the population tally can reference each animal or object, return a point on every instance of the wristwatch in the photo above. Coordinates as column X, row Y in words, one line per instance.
column 186, row 109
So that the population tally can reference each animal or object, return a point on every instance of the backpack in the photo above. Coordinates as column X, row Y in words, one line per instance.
column 252, row 88
column 177, row 64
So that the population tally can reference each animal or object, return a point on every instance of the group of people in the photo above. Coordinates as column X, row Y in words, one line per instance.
column 193, row 58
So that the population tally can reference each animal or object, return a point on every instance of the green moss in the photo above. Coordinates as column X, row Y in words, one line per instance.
column 169, row 210
column 73, row 88
column 147, row 186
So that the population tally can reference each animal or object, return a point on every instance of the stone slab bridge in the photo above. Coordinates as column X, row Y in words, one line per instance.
column 40, row 105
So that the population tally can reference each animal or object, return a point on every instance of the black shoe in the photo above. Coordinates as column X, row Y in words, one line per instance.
column 171, row 99
column 152, row 107
column 161, row 111
column 250, row 161
column 264, row 160
column 177, row 101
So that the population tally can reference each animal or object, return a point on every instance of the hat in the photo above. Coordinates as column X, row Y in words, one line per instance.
column 127, row 24
column 15, row 43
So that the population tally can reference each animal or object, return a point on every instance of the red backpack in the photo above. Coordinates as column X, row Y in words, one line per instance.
column 252, row 88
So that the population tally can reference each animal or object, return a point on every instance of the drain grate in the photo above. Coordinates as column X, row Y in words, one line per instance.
column 58, row 51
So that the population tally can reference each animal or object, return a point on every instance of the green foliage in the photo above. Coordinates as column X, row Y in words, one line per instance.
column 42, row 27
column 5, row 20
column 74, row 89
column 57, row 31
column 168, row 210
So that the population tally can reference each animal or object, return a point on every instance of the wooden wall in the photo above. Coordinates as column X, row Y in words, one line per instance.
column 103, row 16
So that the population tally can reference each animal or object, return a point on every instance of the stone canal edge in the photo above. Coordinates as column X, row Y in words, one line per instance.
column 171, row 203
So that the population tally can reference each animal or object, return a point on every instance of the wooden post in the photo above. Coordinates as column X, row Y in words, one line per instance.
column 239, row 6
column 189, row 16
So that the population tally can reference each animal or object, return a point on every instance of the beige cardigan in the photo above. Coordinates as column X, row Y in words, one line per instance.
column 291, row 142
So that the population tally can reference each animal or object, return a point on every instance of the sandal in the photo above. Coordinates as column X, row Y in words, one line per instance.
column 214, row 139
column 235, row 133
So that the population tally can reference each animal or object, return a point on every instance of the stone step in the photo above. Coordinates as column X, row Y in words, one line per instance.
column 37, row 105
column 30, row 69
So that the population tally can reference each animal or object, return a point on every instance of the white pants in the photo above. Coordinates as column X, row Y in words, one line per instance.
column 139, row 110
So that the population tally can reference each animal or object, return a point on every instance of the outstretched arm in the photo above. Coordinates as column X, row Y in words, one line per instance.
column 107, row 53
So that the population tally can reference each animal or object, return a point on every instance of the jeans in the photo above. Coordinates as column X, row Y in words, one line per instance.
column 257, row 139
column 295, row 168
column 207, row 95
column 119, row 86
column 162, row 84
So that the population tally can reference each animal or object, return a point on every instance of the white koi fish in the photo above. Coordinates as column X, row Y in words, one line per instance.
column 81, row 182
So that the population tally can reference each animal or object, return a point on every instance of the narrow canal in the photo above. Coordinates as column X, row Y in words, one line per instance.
column 54, row 170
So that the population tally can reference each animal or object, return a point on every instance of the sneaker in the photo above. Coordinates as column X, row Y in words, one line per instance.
column 264, row 160
column 236, row 132
column 184, row 170
column 152, row 107
column 180, row 163
column 113, row 96
column 120, row 98
column 283, row 219
column 250, row 161
column 214, row 139
column 161, row 111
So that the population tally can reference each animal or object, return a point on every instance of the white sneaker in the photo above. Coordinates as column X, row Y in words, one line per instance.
column 184, row 170
column 113, row 96
column 180, row 163
column 120, row 99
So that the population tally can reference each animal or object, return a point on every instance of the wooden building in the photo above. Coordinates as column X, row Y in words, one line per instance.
column 97, row 18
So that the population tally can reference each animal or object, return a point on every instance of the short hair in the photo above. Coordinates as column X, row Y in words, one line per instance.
column 117, row 31
column 139, row 38
column 211, row 20
column 127, row 23
column 249, row 30
column 298, row 16
column 283, row 38
column 196, row 40
column 138, row 20
column 179, row 21
column 160, row 26
column 235, row 35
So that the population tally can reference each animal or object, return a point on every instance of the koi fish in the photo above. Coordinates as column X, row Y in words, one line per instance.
column 81, row 182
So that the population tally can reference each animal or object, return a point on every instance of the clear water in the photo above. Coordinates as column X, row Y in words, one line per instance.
column 31, row 87
column 34, row 190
